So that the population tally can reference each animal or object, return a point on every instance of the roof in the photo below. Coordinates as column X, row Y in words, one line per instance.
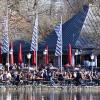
column 25, row 45
column 70, row 29
column 90, row 33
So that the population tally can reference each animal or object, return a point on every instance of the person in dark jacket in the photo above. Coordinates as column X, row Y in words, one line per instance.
column 78, row 78
column 60, row 79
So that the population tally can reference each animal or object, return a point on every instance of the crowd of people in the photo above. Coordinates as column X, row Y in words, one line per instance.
column 48, row 75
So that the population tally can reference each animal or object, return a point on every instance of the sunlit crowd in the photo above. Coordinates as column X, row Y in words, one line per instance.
column 48, row 75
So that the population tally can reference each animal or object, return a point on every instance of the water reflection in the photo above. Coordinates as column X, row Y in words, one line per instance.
column 50, row 95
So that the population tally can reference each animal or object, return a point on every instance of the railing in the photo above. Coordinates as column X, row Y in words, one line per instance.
column 41, row 81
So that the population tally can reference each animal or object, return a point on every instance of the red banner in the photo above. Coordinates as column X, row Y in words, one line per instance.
column 33, row 57
column 20, row 54
column 69, row 54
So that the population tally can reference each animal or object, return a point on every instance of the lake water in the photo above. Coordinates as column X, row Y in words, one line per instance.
column 38, row 94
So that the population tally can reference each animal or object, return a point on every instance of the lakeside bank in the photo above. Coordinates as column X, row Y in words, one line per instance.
column 44, row 89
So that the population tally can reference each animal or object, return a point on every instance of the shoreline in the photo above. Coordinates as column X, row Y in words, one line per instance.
column 30, row 88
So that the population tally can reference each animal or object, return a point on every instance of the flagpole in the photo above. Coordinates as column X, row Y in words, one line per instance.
column 37, row 44
column 58, row 51
column 36, row 55
column 34, row 43
column 8, row 36
column 62, row 44
column 36, row 52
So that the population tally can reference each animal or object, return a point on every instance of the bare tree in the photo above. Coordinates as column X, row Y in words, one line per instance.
column 22, row 14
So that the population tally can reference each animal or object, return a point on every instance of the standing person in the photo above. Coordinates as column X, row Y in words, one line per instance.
column 61, row 78
column 78, row 78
